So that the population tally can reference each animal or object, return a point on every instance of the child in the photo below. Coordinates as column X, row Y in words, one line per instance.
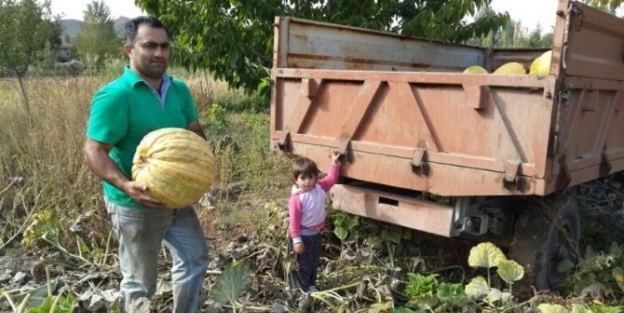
column 307, row 217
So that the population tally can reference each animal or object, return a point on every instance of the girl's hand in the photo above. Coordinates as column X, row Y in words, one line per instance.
column 336, row 157
column 299, row 247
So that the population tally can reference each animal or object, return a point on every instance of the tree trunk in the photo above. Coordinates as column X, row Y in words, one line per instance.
column 20, row 79
column 330, row 7
column 208, row 90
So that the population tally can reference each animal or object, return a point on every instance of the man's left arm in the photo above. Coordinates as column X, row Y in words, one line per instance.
column 191, row 113
column 196, row 128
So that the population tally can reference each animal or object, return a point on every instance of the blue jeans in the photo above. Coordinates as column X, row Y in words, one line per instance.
column 140, row 233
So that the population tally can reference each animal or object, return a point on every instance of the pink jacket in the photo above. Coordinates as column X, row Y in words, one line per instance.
column 307, row 208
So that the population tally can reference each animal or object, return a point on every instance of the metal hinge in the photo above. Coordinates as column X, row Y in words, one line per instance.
column 418, row 165
column 565, row 93
column 510, row 178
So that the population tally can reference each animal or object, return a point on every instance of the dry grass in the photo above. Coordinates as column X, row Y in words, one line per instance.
column 45, row 148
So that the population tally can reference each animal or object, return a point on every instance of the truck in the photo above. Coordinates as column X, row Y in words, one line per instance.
column 428, row 147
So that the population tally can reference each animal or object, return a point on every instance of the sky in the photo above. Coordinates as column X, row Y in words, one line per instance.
column 529, row 12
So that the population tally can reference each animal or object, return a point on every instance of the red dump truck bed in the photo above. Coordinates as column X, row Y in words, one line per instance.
column 407, row 117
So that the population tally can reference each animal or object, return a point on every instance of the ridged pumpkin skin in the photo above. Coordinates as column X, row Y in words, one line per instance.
column 176, row 165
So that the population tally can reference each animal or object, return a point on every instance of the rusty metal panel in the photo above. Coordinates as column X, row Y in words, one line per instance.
column 316, row 45
column 590, row 144
column 470, row 130
column 429, row 217
column 595, row 44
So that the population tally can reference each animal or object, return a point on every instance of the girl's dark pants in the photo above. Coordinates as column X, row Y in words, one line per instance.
column 308, row 262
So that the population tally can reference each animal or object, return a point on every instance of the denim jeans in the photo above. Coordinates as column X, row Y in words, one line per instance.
column 140, row 232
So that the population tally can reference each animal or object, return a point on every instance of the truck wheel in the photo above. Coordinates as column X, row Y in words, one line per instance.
column 546, row 233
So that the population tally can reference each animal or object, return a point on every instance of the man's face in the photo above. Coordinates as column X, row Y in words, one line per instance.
column 150, row 54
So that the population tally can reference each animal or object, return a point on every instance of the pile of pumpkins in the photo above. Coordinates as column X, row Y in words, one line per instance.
column 539, row 66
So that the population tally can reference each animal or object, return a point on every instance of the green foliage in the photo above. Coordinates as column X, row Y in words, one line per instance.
column 234, row 39
column 238, row 103
column 57, row 304
column 350, row 228
column 604, row 269
column 216, row 120
column 606, row 5
column 26, row 31
column 97, row 41
column 512, row 35
column 27, row 26
column 421, row 285
column 425, row 292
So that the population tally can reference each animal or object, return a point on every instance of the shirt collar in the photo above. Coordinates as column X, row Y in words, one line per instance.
column 133, row 78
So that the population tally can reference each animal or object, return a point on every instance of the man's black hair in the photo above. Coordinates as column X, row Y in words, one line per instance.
column 132, row 27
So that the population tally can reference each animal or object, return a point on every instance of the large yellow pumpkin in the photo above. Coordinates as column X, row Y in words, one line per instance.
column 176, row 165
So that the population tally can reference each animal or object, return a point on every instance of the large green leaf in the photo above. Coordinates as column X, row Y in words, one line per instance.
column 485, row 255
column 341, row 232
column 581, row 308
column 453, row 294
column 477, row 288
column 510, row 271
column 381, row 307
column 233, row 282
column 552, row 308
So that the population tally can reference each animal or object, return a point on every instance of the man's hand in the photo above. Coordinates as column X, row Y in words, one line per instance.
column 299, row 247
column 96, row 157
column 137, row 192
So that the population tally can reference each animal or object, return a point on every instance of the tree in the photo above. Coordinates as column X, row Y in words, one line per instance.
column 233, row 39
column 26, row 31
column 97, row 40
column 606, row 5
column 511, row 35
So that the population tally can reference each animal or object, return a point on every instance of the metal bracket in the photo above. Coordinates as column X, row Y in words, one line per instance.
column 605, row 165
column 344, row 146
column 284, row 142
column 564, row 94
column 580, row 16
column 309, row 86
column 510, row 178
column 565, row 178
column 476, row 96
column 418, row 165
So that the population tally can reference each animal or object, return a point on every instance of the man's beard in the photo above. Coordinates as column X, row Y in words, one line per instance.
column 154, row 71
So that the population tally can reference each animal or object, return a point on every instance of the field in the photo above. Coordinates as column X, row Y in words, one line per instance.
column 57, row 247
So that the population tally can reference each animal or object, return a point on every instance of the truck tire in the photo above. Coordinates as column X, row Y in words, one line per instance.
column 546, row 233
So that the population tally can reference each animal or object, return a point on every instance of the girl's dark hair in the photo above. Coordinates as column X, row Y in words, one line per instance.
column 304, row 166
column 132, row 27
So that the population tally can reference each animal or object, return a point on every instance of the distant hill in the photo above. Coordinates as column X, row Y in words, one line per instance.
column 72, row 27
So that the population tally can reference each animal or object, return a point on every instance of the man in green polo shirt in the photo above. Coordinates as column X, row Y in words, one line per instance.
column 123, row 111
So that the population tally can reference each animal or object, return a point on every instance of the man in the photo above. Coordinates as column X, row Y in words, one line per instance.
column 143, row 99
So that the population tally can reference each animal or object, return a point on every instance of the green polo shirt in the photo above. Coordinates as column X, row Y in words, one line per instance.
column 126, row 109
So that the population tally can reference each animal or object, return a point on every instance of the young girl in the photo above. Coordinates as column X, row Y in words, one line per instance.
column 307, row 217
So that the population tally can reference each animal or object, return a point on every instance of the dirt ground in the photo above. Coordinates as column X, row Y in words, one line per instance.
column 96, row 286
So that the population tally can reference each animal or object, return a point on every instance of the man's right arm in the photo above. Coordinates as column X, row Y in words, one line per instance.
column 97, row 159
